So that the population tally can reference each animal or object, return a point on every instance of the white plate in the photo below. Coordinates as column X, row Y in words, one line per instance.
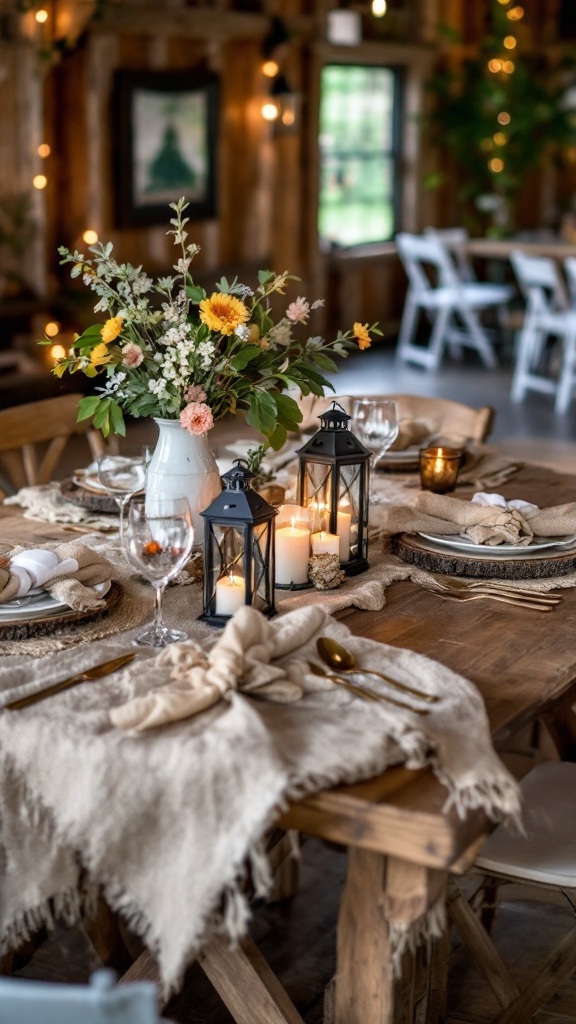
column 459, row 543
column 89, row 483
column 407, row 455
column 41, row 604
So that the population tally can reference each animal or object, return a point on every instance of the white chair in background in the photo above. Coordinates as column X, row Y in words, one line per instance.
column 100, row 1002
column 548, row 315
column 570, row 271
column 543, row 862
column 455, row 240
column 452, row 305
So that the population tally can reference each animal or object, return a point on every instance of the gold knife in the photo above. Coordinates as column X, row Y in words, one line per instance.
column 82, row 677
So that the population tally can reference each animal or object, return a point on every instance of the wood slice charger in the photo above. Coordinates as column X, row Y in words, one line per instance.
column 419, row 552
column 86, row 499
column 20, row 629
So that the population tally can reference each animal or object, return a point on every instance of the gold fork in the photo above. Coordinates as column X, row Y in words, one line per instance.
column 519, row 602
column 496, row 586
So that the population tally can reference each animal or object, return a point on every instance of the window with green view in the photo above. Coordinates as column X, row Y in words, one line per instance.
column 358, row 144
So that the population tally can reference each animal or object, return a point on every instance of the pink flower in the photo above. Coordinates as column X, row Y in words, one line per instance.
column 197, row 418
column 195, row 394
column 298, row 311
column 132, row 355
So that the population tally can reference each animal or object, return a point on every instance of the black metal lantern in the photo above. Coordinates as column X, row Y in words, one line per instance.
column 238, row 550
column 334, row 484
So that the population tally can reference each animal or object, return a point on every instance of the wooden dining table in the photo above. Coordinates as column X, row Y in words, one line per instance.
column 402, row 841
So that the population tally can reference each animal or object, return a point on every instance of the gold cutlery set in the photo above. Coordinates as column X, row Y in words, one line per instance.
column 476, row 590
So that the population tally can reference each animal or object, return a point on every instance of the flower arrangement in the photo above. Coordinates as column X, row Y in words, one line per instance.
column 169, row 350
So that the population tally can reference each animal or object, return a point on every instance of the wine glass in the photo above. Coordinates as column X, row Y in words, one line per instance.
column 122, row 476
column 376, row 425
column 159, row 539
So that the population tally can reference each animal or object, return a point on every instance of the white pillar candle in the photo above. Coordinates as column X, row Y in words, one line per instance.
column 343, row 526
column 230, row 594
column 326, row 543
column 292, row 551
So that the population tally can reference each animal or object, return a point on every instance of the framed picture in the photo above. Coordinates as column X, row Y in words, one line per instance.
column 165, row 127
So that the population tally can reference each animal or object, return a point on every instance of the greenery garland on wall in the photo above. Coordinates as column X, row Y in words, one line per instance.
column 500, row 115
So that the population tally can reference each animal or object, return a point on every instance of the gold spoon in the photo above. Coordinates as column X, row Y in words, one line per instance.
column 364, row 691
column 342, row 660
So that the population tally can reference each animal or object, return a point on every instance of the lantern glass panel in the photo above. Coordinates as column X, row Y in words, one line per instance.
column 227, row 552
column 317, row 485
column 261, row 547
column 349, row 492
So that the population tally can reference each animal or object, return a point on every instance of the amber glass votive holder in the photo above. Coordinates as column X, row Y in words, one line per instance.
column 439, row 469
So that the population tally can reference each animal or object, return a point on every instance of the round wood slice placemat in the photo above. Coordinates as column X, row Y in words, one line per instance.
column 420, row 552
column 20, row 629
column 85, row 499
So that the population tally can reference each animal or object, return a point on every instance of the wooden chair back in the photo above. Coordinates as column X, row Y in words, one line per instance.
column 33, row 438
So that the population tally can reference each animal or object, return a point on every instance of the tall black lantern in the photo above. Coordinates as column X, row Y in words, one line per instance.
column 334, row 485
column 238, row 550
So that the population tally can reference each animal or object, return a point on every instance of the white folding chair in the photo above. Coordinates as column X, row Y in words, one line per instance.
column 452, row 305
column 570, row 271
column 543, row 863
column 100, row 1002
column 455, row 240
column 548, row 315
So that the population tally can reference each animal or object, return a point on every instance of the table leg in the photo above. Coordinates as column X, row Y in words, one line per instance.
column 379, row 891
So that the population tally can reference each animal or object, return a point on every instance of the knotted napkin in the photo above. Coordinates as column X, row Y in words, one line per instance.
column 240, row 660
column 487, row 519
column 67, row 571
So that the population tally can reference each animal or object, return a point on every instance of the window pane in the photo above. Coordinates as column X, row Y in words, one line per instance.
column 357, row 154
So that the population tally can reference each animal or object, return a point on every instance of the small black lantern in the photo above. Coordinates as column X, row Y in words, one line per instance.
column 334, row 484
column 238, row 550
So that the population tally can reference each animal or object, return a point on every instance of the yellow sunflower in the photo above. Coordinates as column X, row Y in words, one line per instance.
column 223, row 313
column 100, row 355
column 362, row 336
column 112, row 329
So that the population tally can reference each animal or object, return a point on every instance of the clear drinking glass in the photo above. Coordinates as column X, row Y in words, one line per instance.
column 159, row 539
column 122, row 476
column 375, row 423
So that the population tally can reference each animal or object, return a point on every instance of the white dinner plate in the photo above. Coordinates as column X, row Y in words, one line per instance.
column 459, row 543
column 39, row 604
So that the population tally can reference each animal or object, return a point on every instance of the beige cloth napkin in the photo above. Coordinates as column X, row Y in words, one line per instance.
column 83, row 567
column 484, row 524
column 242, row 659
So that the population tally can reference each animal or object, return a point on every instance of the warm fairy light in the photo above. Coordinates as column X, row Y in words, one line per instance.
column 495, row 65
column 508, row 66
column 51, row 329
column 90, row 236
column 270, row 68
column 288, row 118
column 41, row 16
column 503, row 2
column 503, row 117
column 500, row 138
column 269, row 111
column 44, row 150
column 510, row 42
column 40, row 181
column 496, row 165
column 515, row 13
column 57, row 352
column 379, row 8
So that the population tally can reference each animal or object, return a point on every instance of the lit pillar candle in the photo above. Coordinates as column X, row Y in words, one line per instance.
column 343, row 526
column 292, row 551
column 230, row 594
column 326, row 543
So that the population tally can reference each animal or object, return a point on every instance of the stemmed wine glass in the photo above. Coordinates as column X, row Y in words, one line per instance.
column 122, row 476
column 159, row 538
column 375, row 422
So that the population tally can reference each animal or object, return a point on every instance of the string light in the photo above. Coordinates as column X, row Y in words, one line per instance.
column 44, row 150
column 57, row 352
column 269, row 111
column 40, row 181
column 495, row 65
column 503, row 117
column 270, row 68
column 515, row 13
column 41, row 16
column 90, row 236
column 496, row 165
column 379, row 8
column 51, row 329
column 508, row 67
column 500, row 139
column 510, row 42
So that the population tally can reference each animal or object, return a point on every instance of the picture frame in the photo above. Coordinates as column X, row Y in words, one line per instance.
column 165, row 132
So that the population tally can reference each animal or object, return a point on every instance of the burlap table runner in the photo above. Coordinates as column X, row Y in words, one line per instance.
column 166, row 821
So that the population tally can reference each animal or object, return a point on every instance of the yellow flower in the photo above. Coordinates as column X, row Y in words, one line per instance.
column 112, row 329
column 100, row 355
column 253, row 335
column 223, row 313
column 362, row 336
